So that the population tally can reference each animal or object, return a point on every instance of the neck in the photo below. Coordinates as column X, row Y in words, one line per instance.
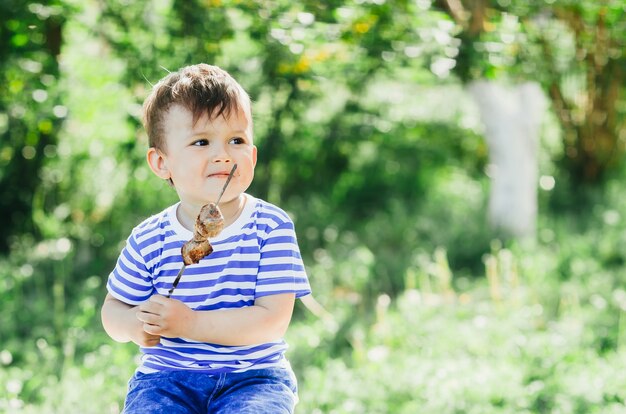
column 232, row 209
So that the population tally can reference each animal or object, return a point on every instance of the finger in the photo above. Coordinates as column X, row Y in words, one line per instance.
column 151, row 329
column 152, row 342
column 150, row 318
column 149, row 307
column 149, row 340
column 158, row 299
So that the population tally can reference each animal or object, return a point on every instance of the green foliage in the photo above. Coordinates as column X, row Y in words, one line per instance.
column 31, row 111
column 365, row 138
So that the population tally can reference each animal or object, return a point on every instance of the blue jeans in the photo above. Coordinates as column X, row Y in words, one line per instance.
column 258, row 391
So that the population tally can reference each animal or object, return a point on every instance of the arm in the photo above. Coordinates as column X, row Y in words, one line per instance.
column 267, row 320
column 121, row 324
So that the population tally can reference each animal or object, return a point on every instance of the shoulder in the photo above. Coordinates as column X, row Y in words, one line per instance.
column 270, row 215
column 152, row 228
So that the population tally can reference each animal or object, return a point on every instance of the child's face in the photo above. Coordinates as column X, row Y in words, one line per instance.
column 198, row 158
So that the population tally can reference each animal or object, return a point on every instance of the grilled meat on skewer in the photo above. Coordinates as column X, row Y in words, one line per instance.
column 208, row 224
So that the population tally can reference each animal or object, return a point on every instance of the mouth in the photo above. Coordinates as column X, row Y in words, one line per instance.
column 219, row 175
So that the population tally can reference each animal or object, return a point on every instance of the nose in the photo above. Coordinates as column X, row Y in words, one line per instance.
column 220, row 154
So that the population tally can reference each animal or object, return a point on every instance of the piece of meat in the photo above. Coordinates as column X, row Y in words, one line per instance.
column 209, row 223
column 193, row 251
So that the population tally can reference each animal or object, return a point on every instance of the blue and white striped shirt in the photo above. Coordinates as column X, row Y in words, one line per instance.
column 257, row 255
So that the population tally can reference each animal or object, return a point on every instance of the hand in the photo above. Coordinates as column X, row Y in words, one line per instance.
column 162, row 316
column 142, row 338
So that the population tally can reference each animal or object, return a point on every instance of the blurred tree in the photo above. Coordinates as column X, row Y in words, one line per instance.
column 31, row 110
column 512, row 116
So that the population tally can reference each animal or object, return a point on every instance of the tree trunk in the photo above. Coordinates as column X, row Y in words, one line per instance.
column 512, row 116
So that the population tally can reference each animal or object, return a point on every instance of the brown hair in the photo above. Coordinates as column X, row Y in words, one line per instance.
column 201, row 89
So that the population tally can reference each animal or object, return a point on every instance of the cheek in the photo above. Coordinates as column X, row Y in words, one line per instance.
column 247, row 174
column 250, row 167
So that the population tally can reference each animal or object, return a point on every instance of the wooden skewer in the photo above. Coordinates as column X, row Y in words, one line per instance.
column 230, row 175
column 180, row 273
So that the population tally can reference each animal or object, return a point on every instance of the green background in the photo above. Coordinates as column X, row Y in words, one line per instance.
column 368, row 138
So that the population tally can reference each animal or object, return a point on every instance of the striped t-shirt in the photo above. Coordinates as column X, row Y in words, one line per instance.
column 257, row 255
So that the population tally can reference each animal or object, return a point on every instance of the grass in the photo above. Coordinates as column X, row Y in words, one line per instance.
column 508, row 344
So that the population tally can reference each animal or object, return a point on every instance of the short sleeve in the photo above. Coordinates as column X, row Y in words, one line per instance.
column 130, row 281
column 281, row 269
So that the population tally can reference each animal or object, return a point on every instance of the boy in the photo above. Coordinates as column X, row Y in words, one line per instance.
column 216, row 345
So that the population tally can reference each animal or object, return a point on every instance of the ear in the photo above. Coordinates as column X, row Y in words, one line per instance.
column 253, row 156
column 158, row 164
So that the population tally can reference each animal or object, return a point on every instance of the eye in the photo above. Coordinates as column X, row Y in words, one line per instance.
column 200, row 142
column 237, row 141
